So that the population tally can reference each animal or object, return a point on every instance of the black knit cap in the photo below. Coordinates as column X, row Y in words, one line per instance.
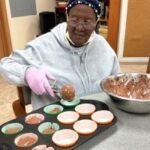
column 94, row 4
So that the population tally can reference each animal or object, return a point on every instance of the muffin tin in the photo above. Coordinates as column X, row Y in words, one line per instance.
column 12, row 128
column 85, row 109
column 74, row 102
column 85, row 126
column 7, row 142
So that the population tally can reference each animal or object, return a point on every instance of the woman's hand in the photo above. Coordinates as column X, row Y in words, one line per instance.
column 38, row 81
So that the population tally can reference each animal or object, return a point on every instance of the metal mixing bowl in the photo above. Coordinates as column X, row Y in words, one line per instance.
column 129, row 104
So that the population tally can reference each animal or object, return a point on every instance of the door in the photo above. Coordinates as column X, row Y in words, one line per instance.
column 5, row 42
column 137, row 37
column 113, row 23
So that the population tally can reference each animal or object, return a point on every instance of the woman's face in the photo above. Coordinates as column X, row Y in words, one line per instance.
column 81, row 23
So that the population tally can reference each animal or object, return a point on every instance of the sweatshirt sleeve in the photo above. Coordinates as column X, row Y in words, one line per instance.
column 13, row 67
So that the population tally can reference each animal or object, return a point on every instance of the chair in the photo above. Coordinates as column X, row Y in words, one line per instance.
column 24, row 95
column 19, row 106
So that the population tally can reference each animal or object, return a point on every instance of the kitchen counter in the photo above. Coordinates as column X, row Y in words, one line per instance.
column 131, row 132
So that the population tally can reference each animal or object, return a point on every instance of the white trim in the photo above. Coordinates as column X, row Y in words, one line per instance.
column 122, row 28
column 134, row 59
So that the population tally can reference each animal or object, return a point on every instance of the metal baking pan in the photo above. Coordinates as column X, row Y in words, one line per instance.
column 7, row 141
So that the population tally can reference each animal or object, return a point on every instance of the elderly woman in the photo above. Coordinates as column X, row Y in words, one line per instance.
column 70, row 53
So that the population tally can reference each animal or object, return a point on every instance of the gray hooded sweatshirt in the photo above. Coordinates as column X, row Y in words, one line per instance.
column 84, row 67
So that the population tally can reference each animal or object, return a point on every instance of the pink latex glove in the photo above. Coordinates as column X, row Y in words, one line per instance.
column 37, row 80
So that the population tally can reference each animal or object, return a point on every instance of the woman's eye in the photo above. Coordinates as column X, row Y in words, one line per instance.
column 73, row 19
column 87, row 21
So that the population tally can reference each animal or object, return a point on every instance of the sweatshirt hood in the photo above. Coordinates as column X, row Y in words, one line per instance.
column 60, row 34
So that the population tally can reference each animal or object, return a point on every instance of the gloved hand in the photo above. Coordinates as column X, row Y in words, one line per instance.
column 37, row 80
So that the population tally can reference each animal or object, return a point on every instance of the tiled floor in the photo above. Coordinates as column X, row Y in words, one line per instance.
column 8, row 93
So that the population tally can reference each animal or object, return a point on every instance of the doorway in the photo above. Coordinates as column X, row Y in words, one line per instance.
column 108, row 24
column 113, row 23
column 5, row 41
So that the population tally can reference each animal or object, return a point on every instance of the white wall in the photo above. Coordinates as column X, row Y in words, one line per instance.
column 24, row 29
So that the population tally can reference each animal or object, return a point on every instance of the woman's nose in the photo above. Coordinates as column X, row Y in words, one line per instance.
column 80, row 27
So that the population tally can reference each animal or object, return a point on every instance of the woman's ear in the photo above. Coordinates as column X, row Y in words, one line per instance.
column 67, row 17
column 97, row 20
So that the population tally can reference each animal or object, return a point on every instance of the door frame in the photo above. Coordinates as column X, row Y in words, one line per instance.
column 4, row 30
column 7, row 48
column 113, row 23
